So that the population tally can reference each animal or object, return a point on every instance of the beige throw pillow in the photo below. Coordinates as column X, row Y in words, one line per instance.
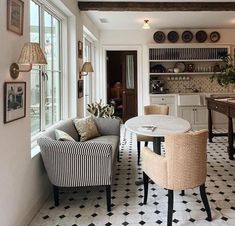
column 62, row 136
column 86, row 128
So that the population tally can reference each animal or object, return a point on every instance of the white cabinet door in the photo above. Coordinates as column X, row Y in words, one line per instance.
column 200, row 115
column 187, row 113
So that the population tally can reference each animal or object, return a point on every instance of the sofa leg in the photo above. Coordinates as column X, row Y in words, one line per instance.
column 138, row 150
column 205, row 201
column 108, row 197
column 182, row 193
column 170, row 207
column 56, row 195
column 146, row 143
column 146, row 183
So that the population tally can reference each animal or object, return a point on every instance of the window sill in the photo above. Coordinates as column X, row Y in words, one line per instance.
column 35, row 151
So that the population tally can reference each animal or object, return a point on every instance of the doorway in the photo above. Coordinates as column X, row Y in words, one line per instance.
column 122, row 82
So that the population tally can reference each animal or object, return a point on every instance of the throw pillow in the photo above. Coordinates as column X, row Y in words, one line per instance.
column 86, row 128
column 62, row 136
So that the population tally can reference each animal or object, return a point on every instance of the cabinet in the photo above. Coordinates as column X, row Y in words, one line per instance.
column 190, row 59
column 197, row 116
column 166, row 100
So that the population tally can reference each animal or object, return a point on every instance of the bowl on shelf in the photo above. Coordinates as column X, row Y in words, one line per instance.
column 176, row 70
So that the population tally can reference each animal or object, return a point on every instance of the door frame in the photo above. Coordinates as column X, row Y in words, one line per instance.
column 103, row 72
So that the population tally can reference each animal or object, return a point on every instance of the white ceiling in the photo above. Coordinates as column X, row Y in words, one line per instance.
column 162, row 20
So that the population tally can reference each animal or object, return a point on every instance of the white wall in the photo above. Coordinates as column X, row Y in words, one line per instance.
column 142, row 38
column 24, row 184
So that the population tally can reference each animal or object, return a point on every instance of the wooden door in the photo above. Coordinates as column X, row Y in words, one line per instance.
column 129, row 81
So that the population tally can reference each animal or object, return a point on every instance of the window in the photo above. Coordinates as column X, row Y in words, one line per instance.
column 88, row 56
column 46, row 80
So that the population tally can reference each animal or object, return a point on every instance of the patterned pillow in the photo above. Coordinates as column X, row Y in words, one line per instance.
column 62, row 136
column 86, row 128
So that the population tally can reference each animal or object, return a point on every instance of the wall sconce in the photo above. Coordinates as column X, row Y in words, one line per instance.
column 31, row 54
column 146, row 24
column 86, row 68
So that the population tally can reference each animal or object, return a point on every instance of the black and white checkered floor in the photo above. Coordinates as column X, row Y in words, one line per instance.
column 87, row 206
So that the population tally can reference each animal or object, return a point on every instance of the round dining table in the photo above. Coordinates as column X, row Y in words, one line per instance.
column 157, row 126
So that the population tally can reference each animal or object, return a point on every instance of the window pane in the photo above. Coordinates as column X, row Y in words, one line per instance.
column 48, row 100
column 34, row 22
column 35, row 102
column 56, row 44
column 56, row 96
column 130, row 78
column 48, row 40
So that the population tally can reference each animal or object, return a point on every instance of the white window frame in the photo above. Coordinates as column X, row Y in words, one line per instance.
column 53, row 10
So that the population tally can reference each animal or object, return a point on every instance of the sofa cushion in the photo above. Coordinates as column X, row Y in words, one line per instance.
column 109, row 139
column 86, row 128
column 62, row 136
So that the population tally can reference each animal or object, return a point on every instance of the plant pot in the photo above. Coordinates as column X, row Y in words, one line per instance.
column 231, row 88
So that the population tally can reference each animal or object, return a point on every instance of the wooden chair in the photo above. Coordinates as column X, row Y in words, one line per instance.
column 150, row 110
column 183, row 167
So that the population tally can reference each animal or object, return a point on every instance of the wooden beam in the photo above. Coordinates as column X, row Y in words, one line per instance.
column 157, row 6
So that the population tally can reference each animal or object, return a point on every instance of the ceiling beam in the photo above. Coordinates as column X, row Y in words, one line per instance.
column 157, row 6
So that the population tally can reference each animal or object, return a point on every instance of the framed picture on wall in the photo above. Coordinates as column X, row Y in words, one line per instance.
column 80, row 49
column 14, row 101
column 15, row 16
column 80, row 88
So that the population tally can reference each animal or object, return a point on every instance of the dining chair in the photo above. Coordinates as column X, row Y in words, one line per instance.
column 183, row 167
column 155, row 109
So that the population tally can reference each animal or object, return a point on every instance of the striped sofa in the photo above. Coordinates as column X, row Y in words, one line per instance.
column 75, row 164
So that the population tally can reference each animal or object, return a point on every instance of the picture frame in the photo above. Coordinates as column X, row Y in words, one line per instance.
column 80, row 88
column 14, row 101
column 80, row 49
column 15, row 16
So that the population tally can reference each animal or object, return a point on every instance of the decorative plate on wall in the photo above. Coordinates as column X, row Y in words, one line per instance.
column 159, row 37
column 173, row 36
column 187, row 36
column 215, row 36
column 201, row 36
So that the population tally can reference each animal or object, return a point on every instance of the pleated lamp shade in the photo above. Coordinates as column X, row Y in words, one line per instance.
column 87, row 67
column 32, row 53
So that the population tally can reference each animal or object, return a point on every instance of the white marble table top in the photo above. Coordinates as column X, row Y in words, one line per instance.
column 162, row 125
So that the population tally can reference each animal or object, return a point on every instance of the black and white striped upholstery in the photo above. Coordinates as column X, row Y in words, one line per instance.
column 75, row 164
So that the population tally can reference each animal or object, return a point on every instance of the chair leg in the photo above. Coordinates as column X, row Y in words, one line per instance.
column 108, row 197
column 146, row 184
column 170, row 207
column 146, row 143
column 182, row 193
column 56, row 195
column 205, row 201
column 138, row 150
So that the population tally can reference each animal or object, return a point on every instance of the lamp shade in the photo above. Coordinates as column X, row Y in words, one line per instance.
column 32, row 53
column 87, row 67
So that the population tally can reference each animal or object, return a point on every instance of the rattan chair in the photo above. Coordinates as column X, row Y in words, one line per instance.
column 155, row 109
column 183, row 167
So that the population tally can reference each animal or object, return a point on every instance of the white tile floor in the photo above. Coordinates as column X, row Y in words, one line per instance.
column 87, row 206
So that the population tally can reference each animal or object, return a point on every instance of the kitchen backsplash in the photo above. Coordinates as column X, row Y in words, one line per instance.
column 192, row 83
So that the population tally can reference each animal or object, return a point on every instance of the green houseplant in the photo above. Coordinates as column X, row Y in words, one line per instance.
column 226, row 75
column 98, row 109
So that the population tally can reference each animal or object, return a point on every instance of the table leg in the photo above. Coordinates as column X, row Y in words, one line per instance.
column 210, row 134
column 230, row 138
column 157, row 145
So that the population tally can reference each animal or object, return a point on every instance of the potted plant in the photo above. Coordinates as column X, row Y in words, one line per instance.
column 98, row 109
column 226, row 74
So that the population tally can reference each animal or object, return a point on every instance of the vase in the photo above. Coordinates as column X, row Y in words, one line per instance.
column 231, row 88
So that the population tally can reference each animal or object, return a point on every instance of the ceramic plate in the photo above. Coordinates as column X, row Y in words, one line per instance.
column 187, row 36
column 159, row 37
column 201, row 36
column 215, row 36
column 173, row 36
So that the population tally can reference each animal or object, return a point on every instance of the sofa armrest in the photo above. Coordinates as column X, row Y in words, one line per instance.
column 74, row 164
column 108, row 126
